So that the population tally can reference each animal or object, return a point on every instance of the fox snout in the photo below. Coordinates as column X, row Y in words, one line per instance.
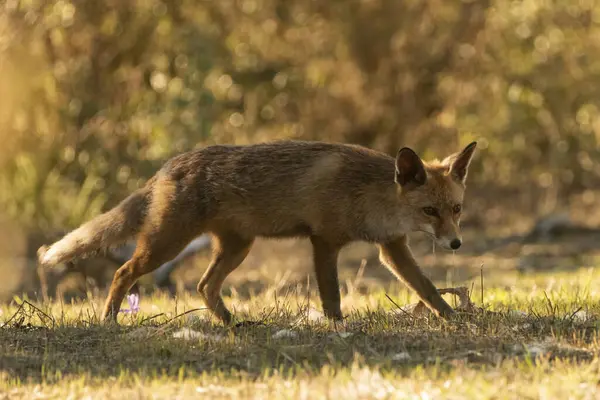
column 449, row 238
column 455, row 244
column 449, row 242
column 448, row 235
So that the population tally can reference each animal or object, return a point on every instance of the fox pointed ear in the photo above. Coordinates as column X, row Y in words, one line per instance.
column 458, row 164
column 409, row 168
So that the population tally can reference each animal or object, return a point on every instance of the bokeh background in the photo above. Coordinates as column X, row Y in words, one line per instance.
column 96, row 95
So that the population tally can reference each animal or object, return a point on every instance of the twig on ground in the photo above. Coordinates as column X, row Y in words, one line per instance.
column 481, row 275
column 397, row 306
column 181, row 315
column 14, row 315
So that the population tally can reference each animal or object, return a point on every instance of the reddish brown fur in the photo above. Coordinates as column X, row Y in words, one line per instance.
column 332, row 193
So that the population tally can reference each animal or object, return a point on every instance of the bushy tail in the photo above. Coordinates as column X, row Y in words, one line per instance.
column 110, row 228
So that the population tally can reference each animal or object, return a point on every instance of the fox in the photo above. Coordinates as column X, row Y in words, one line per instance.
column 331, row 193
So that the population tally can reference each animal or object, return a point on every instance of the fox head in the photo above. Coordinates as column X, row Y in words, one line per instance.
column 434, row 193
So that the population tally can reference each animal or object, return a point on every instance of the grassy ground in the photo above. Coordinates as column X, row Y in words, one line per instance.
column 537, row 339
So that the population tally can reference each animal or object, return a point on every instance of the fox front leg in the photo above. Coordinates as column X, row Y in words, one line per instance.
column 397, row 257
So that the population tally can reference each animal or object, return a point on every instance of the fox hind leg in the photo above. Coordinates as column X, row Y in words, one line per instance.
column 229, row 251
column 152, row 250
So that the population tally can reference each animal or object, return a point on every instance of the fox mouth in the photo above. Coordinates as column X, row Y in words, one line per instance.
column 433, row 238
column 436, row 241
column 445, row 246
column 428, row 234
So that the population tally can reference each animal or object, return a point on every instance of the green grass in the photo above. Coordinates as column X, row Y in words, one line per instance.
column 538, row 338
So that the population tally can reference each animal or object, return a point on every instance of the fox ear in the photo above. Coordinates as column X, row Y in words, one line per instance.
column 458, row 164
column 409, row 168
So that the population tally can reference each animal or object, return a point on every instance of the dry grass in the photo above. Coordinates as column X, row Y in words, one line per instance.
column 538, row 340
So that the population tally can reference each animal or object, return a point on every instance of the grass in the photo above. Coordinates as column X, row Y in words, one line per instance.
column 538, row 338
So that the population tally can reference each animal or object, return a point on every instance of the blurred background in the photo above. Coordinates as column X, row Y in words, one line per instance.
column 96, row 95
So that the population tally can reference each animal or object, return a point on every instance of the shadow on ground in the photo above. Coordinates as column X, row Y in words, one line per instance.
column 190, row 346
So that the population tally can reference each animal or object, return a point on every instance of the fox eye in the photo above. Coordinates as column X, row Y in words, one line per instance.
column 457, row 208
column 431, row 211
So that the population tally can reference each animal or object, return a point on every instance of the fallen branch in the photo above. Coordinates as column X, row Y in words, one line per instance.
column 465, row 304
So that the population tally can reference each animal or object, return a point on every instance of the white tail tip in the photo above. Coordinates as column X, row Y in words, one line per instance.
column 48, row 256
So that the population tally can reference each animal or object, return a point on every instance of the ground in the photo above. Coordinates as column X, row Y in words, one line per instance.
column 534, row 334
column 535, row 337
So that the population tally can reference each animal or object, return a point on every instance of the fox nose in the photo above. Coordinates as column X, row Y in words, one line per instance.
column 455, row 244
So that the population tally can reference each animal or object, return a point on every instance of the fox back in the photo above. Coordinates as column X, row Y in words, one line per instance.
column 340, row 192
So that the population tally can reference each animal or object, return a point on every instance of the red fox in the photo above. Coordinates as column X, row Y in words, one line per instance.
column 331, row 193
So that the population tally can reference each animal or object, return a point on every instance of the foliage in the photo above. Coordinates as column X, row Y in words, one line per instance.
column 95, row 95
